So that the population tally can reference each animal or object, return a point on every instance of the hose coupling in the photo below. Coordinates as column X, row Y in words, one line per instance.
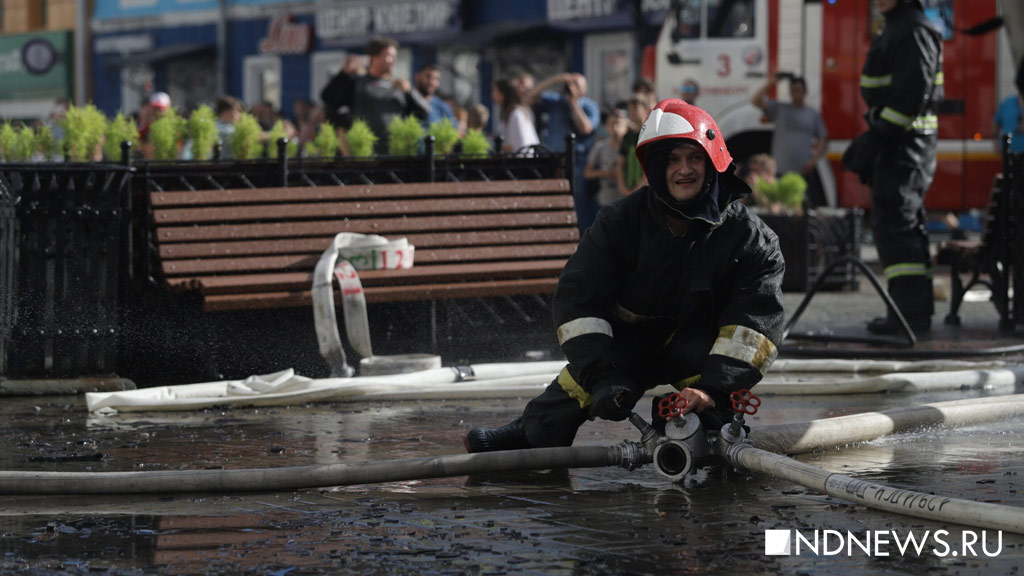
column 649, row 437
column 634, row 455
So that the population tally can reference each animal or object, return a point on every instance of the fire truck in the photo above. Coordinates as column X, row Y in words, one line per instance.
column 730, row 48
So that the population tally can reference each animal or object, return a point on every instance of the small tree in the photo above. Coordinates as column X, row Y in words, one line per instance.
column 47, row 142
column 166, row 134
column 8, row 138
column 202, row 129
column 404, row 136
column 276, row 133
column 24, row 144
column 325, row 145
column 121, row 129
column 84, row 127
column 361, row 139
column 245, row 141
column 475, row 143
column 445, row 134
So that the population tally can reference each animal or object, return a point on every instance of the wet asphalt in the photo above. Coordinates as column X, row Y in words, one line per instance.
column 580, row 522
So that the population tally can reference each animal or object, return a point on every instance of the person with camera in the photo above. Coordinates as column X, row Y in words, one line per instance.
column 559, row 113
column 799, row 137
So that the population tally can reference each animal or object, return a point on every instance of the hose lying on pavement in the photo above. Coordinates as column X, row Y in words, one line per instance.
column 878, row 496
column 791, row 438
column 628, row 455
column 803, row 437
column 505, row 380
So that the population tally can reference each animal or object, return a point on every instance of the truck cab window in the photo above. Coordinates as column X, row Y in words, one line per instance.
column 687, row 18
column 730, row 18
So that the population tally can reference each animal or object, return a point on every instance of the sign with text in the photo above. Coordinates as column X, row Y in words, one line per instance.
column 35, row 66
column 559, row 10
column 361, row 19
column 285, row 36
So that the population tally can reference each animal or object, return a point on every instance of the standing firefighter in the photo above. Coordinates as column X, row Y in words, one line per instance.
column 901, row 83
column 676, row 283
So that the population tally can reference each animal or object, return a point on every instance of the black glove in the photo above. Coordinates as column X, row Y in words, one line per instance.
column 612, row 401
column 860, row 155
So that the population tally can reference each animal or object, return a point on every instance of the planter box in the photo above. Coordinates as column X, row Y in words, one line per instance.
column 811, row 242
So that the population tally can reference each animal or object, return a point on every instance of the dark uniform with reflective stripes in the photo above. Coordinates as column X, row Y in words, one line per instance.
column 640, row 305
column 901, row 83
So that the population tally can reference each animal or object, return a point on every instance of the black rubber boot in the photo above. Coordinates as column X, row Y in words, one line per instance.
column 889, row 325
column 511, row 436
column 915, row 298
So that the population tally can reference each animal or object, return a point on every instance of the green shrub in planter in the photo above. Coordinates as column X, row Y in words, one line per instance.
column 84, row 128
column 166, row 134
column 404, row 136
column 445, row 134
column 202, row 129
column 119, row 130
column 8, row 139
column 788, row 190
column 24, row 144
column 325, row 145
column 246, row 142
column 361, row 139
column 276, row 133
column 47, row 143
column 475, row 143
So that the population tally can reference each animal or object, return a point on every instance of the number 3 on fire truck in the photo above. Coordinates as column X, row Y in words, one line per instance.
column 725, row 66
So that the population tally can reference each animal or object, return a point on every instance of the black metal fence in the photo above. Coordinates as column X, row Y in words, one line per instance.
column 76, row 256
column 158, row 176
column 70, row 252
column 8, row 252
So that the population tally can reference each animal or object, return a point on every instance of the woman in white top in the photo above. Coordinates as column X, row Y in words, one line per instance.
column 515, row 120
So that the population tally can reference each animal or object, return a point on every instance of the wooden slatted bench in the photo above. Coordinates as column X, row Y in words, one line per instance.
column 257, row 248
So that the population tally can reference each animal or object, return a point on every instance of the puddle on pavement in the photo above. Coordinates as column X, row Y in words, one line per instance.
column 593, row 521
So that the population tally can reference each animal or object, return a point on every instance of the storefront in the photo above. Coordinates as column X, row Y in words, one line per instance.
column 139, row 47
column 284, row 51
column 35, row 73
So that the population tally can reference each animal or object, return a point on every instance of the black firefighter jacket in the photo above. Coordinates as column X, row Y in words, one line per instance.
column 639, row 306
column 901, row 83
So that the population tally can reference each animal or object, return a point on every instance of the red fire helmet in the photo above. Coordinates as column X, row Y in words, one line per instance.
column 672, row 118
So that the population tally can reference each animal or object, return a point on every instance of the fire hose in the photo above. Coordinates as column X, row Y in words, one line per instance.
column 676, row 453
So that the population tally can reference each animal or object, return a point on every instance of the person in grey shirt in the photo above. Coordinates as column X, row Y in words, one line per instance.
column 798, row 141
column 376, row 96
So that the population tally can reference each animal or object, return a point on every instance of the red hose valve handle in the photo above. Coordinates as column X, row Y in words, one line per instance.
column 672, row 405
column 744, row 402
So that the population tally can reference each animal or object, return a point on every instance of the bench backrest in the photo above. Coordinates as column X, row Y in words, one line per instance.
column 258, row 247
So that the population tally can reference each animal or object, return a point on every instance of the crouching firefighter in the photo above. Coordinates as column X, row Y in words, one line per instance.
column 677, row 283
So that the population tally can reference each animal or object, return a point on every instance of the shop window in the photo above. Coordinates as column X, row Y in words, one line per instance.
column 460, row 74
column 324, row 66
column 262, row 80
column 730, row 18
column 609, row 67
column 687, row 18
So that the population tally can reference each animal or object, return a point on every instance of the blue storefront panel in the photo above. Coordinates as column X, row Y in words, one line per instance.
column 152, row 47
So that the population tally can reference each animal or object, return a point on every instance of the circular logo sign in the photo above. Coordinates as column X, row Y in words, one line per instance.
column 752, row 55
column 38, row 56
